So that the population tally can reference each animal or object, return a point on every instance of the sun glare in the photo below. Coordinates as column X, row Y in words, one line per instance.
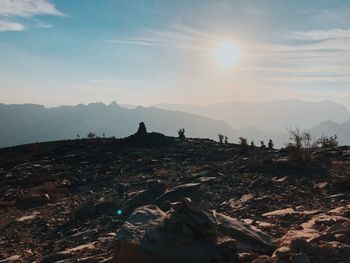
column 226, row 54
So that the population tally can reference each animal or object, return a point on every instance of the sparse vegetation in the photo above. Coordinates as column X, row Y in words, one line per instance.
column 328, row 142
column 221, row 137
column 301, row 145
column 226, row 140
column 270, row 144
column 91, row 135
column 243, row 142
column 262, row 144
column 181, row 133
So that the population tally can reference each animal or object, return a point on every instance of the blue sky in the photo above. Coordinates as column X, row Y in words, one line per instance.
column 144, row 52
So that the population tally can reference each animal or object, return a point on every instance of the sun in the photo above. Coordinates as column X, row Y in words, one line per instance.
column 226, row 54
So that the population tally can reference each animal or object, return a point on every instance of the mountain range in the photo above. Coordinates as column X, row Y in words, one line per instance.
column 269, row 115
column 26, row 123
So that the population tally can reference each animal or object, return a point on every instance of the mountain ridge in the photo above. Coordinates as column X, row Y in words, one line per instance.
column 28, row 123
column 274, row 115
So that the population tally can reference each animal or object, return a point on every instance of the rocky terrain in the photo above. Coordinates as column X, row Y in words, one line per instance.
column 152, row 198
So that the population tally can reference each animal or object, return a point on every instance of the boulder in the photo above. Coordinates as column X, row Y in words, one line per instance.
column 189, row 232
column 247, row 236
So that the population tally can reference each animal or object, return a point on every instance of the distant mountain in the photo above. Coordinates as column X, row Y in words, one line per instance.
column 28, row 123
column 329, row 128
column 268, row 116
column 20, row 124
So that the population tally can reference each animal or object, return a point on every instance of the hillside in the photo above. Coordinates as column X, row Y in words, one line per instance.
column 30, row 123
column 270, row 115
column 84, row 201
column 329, row 128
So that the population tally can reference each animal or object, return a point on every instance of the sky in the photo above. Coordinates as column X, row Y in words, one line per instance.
column 66, row 52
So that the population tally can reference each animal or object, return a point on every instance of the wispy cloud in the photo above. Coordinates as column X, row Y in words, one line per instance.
column 318, row 35
column 27, row 9
column 42, row 24
column 177, row 36
column 10, row 26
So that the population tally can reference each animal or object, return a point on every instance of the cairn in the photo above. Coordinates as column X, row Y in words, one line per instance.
column 194, row 220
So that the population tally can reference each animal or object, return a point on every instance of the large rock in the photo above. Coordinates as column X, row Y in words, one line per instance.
column 247, row 236
column 187, row 233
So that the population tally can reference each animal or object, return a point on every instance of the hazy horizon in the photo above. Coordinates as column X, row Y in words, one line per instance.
column 109, row 102
column 185, row 52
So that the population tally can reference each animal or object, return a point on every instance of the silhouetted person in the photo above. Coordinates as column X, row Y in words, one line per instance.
column 142, row 129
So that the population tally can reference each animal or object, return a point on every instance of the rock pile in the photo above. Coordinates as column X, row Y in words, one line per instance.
column 188, row 232
column 193, row 220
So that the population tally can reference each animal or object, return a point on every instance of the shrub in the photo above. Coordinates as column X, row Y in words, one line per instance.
column 301, row 145
column 243, row 142
column 252, row 144
column 270, row 144
column 181, row 133
column 262, row 144
column 91, row 135
column 328, row 142
column 221, row 137
column 226, row 140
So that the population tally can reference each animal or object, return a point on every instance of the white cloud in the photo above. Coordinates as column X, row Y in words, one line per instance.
column 42, row 24
column 28, row 8
column 178, row 36
column 10, row 26
column 315, row 35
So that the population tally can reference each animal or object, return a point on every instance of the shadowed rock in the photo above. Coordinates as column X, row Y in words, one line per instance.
column 187, row 233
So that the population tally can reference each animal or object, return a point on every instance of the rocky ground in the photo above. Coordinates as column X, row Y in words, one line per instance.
column 66, row 201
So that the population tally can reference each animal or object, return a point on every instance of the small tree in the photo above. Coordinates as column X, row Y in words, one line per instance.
column 300, row 146
column 181, row 133
column 243, row 142
column 270, row 144
column 252, row 144
column 91, row 135
column 226, row 140
column 221, row 137
column 307, row 139
column 328, row 142
column 78, row 136
column 262, row 144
